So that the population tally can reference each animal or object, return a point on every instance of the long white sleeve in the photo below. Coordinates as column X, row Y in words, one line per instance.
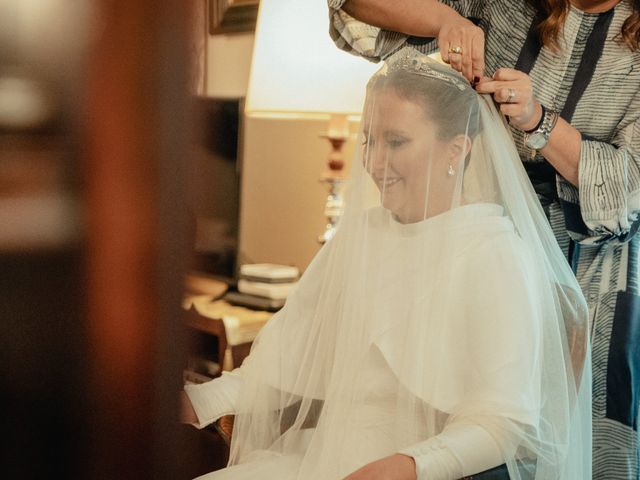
column 460, row 450
column 216, row 398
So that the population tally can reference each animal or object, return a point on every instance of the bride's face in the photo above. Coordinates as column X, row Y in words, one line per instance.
column 404, row 156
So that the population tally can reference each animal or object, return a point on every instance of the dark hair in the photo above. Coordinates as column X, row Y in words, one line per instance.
column 453, row 110
column 556, row 12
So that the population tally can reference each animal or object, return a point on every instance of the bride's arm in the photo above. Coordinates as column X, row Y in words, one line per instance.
column 461, row 449
column 434, row 459
column 203, row 404
column 502, row 403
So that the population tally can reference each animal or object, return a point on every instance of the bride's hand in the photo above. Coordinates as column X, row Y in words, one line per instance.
column 395, row 467
column 461, row 45
column 512, row 89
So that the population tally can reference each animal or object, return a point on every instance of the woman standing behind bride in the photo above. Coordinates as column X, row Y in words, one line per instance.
column 579, row 59
column 439, row 334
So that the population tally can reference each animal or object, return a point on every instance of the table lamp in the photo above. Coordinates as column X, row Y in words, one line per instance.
column 297, row 71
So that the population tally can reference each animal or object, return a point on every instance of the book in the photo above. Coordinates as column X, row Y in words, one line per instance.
column 253, row 301
column 275, row 291
column 269, row 273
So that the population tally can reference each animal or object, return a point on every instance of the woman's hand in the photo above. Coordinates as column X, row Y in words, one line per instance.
column 461, row 45
column 513, row 91
column 395, row 467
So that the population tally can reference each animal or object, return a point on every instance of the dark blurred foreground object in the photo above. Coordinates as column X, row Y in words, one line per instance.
column 43, row 361
column 93, row 144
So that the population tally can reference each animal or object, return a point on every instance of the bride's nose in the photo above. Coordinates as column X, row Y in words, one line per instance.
column 378, row 161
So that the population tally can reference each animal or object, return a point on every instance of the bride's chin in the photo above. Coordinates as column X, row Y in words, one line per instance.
column 393, row 207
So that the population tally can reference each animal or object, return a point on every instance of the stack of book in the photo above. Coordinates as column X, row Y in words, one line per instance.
column 264, row 285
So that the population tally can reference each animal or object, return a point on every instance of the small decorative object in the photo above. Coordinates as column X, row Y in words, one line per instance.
column 232, row 16
column 334, row 177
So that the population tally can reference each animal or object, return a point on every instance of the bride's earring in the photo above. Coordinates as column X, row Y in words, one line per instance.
column 451, row 172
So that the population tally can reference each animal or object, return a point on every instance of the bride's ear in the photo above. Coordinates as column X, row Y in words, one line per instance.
column 459, row 148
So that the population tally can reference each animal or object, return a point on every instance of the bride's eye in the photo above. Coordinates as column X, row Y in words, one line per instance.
column 396, row 142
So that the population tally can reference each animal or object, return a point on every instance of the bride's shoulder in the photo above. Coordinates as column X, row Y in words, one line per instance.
column 493, row 244
column 488, row 228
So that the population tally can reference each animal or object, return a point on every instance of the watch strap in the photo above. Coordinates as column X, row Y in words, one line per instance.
column 544, row 112
column 549, row 121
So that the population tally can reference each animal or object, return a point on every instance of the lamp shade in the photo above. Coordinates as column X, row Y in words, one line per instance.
column 296, row 68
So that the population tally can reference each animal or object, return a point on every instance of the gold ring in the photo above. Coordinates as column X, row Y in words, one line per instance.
column 456, row 49
column 511, row 95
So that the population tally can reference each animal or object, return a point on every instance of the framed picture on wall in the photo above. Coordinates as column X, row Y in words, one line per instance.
column 232, row 16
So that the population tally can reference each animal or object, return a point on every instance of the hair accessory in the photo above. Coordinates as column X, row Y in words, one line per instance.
column 423, row 65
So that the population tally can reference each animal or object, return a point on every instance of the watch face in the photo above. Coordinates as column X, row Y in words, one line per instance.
column 537, row 140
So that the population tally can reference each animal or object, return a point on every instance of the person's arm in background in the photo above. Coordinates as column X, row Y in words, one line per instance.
column 422, row 18
column 600, row 184
column 605, row 203
column 513, row 91
column 431, row 18
column 375, row 29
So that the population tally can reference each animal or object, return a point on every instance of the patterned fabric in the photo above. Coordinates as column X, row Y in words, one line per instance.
column 595, row 82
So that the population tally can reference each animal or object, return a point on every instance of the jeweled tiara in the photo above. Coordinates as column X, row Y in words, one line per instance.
column 422, row 65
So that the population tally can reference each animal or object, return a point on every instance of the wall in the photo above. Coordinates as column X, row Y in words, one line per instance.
column 282, row 200
column 228, row 64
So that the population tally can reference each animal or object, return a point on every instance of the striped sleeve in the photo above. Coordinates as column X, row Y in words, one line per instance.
column 606, row 205
column 376, row 44
column 360, row 39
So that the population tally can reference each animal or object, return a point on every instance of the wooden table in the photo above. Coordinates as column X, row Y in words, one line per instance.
column 235, row 327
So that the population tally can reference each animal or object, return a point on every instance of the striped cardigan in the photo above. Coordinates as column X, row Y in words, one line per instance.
column 595, row 83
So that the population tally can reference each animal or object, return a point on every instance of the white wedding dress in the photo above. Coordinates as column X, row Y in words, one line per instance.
column 441, row 321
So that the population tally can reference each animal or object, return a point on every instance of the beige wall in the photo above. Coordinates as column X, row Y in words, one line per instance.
column 228, row 64
column 282, row 201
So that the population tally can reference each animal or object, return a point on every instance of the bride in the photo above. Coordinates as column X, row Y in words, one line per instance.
column 439, row 335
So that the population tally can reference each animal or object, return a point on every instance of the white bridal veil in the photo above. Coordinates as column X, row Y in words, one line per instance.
column 442, row 320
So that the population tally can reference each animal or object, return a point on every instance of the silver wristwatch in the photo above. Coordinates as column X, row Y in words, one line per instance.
column 538, row 138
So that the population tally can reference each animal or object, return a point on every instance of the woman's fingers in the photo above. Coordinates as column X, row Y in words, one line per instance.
column 492, row 86
column 513, row 90
column 507, row 95
column 443, row 46
column 467, row 58
column 509, row 74
column 477, row 55
column 456, row 52
column 462, row 46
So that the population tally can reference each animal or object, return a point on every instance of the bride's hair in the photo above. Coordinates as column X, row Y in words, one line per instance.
column 452, row 109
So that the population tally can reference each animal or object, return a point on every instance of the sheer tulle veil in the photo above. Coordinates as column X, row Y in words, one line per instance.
column 442, row 318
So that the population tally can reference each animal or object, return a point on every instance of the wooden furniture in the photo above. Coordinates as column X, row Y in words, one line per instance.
column 212, row 326
column 235, row 327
